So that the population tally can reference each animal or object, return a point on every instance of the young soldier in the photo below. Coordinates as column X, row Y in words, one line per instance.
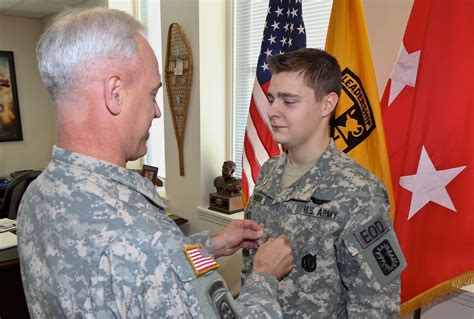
column 347, row 258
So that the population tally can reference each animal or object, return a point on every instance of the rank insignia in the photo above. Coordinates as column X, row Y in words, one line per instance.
column 200, row 259
column 258, row 198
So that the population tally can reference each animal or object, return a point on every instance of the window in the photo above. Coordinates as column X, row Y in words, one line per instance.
column 249, row 19
column 149, row 14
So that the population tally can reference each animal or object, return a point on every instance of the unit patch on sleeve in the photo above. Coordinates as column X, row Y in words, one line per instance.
column 386, row 257
column 376, row 242
column 222, row 301
column 200, row 259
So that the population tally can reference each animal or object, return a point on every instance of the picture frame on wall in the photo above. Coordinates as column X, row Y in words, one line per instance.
column 10, row 120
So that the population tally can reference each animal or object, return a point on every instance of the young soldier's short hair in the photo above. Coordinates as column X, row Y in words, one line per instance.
column 320, row 70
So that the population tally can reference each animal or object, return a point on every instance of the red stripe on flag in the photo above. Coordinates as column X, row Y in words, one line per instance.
column 254, row 166
column 201, row 262
column 245, row 187
column 263, row 131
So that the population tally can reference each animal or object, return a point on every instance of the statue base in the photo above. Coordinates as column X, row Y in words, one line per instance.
column 226, row 204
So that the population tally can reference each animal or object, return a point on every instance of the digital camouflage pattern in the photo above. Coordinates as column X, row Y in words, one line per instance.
column 94, row 242
column 347, row 258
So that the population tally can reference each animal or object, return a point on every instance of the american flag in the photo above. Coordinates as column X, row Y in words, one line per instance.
column 284, row 31
column 200, row 259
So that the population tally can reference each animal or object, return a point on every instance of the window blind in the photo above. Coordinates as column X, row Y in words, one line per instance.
column 149, row 13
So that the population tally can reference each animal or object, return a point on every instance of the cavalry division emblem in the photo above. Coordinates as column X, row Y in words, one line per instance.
column 354, row 119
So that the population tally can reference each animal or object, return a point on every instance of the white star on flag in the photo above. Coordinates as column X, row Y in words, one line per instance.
column 279, row 12
column 404, row 72
column 429, row 184
column 268, row 52
column 300, row 29
column 271, row 39
column 275, row 25
column 294, row 13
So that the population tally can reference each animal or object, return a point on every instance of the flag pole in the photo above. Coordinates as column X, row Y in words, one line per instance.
column 417, row 313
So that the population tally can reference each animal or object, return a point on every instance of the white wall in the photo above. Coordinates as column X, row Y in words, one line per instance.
column 184, row 192
column 204, row 139
column 20, row 35
column 386, row 22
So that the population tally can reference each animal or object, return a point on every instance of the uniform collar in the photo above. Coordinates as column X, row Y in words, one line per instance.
column 110, row 171
column 304, row 188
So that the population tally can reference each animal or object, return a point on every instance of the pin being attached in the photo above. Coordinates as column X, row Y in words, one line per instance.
column 262, row 240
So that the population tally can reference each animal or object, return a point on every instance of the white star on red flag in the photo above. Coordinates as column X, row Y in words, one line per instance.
column 404, row 72
column 429, row 184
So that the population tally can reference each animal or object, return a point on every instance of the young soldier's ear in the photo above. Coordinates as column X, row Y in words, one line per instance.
column 329, row 103
column 113, row 91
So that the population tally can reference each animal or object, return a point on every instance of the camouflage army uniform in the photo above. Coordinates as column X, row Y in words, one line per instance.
column 347, row 258
column 94, row 243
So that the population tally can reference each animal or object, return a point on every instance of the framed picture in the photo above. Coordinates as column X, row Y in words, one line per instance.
column 150, row 172
column 10, row 122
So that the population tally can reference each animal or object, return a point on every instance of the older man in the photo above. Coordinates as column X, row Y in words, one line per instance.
column 94, row 241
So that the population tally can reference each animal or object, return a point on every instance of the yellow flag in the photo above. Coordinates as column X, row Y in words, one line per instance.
column 358, row 128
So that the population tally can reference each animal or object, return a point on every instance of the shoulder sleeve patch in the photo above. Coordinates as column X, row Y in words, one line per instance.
column 200, row 259
column 209, row 289
column 377, row 243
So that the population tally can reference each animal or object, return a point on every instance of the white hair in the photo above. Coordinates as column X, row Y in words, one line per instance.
column 76, row 36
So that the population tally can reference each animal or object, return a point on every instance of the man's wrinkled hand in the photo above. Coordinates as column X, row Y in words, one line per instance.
column 274, row 257
column 238, row 234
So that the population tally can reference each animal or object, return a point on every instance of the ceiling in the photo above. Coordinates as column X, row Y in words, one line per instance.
column 35, row 8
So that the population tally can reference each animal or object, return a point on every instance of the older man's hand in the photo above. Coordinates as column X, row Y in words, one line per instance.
column 238, row 234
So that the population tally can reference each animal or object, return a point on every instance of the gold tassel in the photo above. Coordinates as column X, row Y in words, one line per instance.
column 435, row 292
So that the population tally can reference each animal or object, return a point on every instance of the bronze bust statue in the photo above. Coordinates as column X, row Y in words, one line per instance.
column 227, row 184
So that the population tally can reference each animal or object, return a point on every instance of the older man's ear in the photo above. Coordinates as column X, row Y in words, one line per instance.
column 113, row 86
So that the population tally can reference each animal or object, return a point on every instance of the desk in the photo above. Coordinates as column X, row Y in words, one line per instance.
column 13, row 303
column 177, row 219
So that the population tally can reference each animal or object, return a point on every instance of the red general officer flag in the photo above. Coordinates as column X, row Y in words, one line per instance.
column 428, row 116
